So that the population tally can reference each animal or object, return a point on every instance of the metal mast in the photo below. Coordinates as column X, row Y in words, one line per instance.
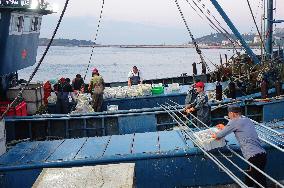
column 269, row 29
column 235, row 31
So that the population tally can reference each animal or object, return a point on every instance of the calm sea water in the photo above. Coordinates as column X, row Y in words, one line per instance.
column 115, row 63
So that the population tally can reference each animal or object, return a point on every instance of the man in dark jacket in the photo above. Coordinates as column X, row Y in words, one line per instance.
column 62, row 90
column 200, row 105
column 78, row 82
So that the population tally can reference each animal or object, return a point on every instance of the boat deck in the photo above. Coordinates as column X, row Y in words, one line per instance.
column 162, row 159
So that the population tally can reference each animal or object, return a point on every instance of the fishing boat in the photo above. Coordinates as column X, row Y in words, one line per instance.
column 155, row 136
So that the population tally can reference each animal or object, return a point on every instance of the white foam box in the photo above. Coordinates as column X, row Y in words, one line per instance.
column 2, row 137
column 33, row 96
column 33, row 93
column 112, row 107
column 207, row 142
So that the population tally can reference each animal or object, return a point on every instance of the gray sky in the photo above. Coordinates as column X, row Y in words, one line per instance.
column 147, row 21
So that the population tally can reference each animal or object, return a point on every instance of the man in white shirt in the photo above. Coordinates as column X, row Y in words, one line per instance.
column 134, row 77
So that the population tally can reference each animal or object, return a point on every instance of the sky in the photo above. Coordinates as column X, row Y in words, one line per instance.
column 148, row 21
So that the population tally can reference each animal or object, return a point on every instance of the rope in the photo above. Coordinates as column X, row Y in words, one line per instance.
column 253, row 17
column 94, row 43
column 192, row 37
column 226, row 34
column 40, row 61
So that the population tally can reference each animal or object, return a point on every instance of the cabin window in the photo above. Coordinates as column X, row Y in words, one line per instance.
column 19, row 23
column 27, row 24
column 35, row 24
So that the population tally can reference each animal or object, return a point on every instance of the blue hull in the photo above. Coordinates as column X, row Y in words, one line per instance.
column 162, row 159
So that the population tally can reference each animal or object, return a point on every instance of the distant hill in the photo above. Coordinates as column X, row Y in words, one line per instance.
column 65, row 42
column 218, row 38
column 212, row 39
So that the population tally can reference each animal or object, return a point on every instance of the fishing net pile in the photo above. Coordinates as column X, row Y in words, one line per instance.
column 83, row 104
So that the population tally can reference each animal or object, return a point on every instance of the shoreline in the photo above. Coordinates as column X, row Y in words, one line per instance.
column 157, row 46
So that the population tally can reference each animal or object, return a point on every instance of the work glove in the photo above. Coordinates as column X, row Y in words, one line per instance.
column 220, row 126
column 214, row 135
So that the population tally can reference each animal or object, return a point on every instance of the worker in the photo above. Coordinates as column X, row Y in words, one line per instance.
column 249, row 142
column 96, row 87
column 134, row 77
column 78, row 82
column 201, row 106
column 191, row 94
column 46, row 91
column 62, row 90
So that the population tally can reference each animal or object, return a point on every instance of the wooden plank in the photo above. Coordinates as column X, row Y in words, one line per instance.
column 93, row 148
column 101, row 176
column 42, row 151
column 119, row 145
column 170, row 141
column 67, row 150
column 146, row 143
column 17, row 153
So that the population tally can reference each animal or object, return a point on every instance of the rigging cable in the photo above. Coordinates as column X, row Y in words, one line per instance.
column 40, row 61
column 214, row 27
column 226, row 34
column 253, row 17
column 94, row 42
column 192, row 37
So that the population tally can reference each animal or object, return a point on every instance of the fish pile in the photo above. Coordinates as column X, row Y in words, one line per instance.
column 125, row 92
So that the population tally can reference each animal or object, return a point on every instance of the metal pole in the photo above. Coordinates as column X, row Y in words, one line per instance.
column 269, row 29
column 235, row 31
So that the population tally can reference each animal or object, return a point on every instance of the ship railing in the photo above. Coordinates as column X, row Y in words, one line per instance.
column 189, row 134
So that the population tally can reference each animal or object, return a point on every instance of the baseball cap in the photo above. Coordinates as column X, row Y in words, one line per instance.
column 199, row 84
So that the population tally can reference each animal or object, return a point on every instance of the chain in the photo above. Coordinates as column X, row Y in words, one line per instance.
column 94, row 42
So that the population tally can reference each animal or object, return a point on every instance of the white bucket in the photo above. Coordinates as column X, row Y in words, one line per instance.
column 112, row 107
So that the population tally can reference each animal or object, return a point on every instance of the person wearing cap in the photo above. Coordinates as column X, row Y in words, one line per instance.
column 191, row 94
column 62, row 90
column 246, row 134
column 134, row 77
column 96, row 87
column 77, row 82
column 200, row 105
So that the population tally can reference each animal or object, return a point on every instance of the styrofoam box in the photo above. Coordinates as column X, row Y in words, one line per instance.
column 112, row 107
column 205, row 139
column 2, row 137
column 32, row 107
column 2, row 146
column 33, row 93
column 2, row 128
